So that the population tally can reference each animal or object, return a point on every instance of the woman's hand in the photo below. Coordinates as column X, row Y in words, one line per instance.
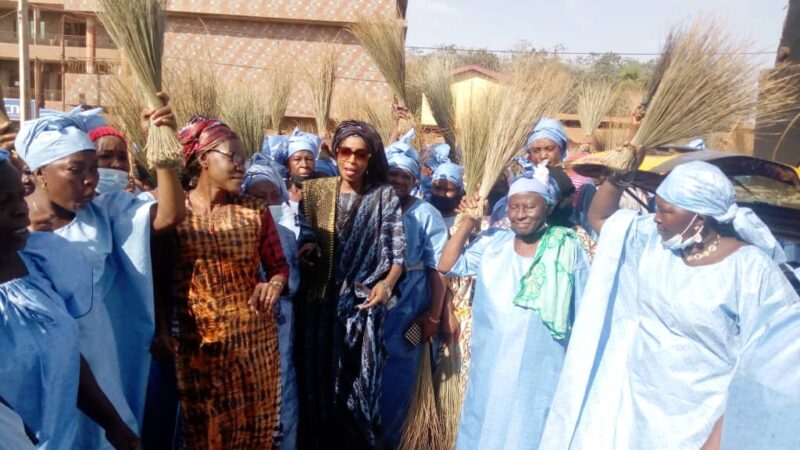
column 379, row 295
column 450, row 328
column 265, row 295
column 474, row 208
column 430, row 326
column 164, row 345
column 160, row 117
column 122, row 438
column 8, row 133
column 309, row 254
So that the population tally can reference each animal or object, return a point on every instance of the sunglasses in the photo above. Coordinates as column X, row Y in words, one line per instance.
column 235, row 158
column 347, row 152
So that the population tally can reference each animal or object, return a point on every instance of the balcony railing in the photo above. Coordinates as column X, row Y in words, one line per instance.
column 54, row 40
column 50, row 95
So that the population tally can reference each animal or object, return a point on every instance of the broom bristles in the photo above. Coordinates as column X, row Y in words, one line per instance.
column 137, row 29
column 660, row 68
column 595, row 101
column 384, row 40
column 320, row 82
column 449, row 397
column 278, row 92
column 353, row 104
column 245, row 112
column 437, row 84
column 194, row 90
column 422, row 428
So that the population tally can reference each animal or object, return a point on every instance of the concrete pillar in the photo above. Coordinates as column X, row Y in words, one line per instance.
column 91, row 47
column 37, row 14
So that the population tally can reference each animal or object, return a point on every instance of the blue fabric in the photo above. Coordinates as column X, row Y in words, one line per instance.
column 55, row 136
column 40, row 367
column 4, row 155
column 275, row 146
column 113, row 234
column 656, row 342
column 450, row 172
column 515, row 362
column 426, row 234
column 528, row 183
column 763, row 410
column 285, row 310
column 402, row 155
column 439, row 154
column 551, row 129
column 703, row 189
column 698, row 144
column 262, row 168
column 301, row 141
column 327, row 167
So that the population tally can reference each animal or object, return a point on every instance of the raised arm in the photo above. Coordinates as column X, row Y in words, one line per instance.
column 171, row 207
column 606, row 201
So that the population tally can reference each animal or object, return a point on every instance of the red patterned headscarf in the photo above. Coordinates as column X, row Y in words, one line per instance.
column 202, row 134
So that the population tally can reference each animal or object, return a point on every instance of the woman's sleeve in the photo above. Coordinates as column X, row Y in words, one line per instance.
column 270, row 249
column 469, row 261
column 393, row 228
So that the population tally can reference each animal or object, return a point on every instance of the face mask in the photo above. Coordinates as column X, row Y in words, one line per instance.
column 111, row 180
column 677, row 243
column 277, row 212
column 445, row 203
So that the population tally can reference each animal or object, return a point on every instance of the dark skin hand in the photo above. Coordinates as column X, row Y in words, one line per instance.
column 94, row 403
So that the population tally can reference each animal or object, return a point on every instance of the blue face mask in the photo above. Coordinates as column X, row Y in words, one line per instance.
column 111, row 180
column 678, row 243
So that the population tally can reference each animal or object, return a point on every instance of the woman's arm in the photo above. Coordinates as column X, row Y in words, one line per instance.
column 171, row 207
column 430, row 320
column 454, row 247
column 94, row 403
column 606, row 201
column 274, row 262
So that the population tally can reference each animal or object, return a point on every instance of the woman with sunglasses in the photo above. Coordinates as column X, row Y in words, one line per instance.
column 226, row 349
column 112, row 231
column 352, row 269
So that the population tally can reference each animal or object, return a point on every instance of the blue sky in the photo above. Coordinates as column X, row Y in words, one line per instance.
column 584, row 25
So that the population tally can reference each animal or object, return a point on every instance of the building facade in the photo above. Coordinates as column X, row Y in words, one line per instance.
column 72, row 56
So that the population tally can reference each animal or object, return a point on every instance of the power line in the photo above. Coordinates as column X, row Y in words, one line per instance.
column 557, row 52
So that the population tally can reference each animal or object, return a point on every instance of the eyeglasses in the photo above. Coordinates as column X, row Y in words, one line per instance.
column 347, row 152
column 235, row 158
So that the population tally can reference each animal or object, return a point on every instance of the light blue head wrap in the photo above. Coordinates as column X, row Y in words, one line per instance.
column 402, row 155
column 537, row 181
column 439, row 154
column 264, row 169
column 52, row 137
column 301, row 141
column 450, row 172
column 327, row 167
column 551, row 129
column 275, row 147
column 703, row 189
column 94, row 118
column 4, row 156
column 698, row 144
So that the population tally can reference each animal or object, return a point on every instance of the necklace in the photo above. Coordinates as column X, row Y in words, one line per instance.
column 709, row 249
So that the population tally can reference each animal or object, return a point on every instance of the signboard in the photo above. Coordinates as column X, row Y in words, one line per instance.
column 12, row 108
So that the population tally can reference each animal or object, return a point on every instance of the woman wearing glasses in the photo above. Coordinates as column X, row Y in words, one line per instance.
column 227, row 343
column 352, row 268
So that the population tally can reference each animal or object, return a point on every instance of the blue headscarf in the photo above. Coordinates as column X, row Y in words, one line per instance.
column 551, row 129
column 275, row 146
column 327, row 167
column 537, row 181
column 439, row 154
column 264, row 169
column 4, row 155
column 450, row 172
column 301, row 141
column 703, row 189
column 55, row 136
column 93, row 117
column 402, row 155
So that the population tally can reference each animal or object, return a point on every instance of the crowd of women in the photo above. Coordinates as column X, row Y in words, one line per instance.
column 269, row 302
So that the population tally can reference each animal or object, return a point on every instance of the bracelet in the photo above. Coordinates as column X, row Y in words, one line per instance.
column 277, row 284
column 432, row 320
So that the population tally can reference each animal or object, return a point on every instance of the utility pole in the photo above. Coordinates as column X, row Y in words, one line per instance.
column 63, row 64
column 24, row 62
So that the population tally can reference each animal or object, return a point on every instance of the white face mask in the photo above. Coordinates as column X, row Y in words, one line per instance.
column 677, row 243
column 111, row 180
column 277, row 212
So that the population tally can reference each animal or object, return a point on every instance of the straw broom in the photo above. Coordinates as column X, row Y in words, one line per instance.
column 449, row 398
column 279, row 91
column 194, row 91
column 660, row 68
column 125, row 106
column 475, row 115
column 137, row 29
column 245, row 112
column 422, row 428
column 708, row 87
column 437, row 87
column 319, row 79
column 595, row 101
column 352, row 104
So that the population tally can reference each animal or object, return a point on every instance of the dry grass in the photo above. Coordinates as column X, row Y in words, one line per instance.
column 595, row 101
column 475, row 116
column 533, row 93
column 137, row 29
column 278, row 92
column 353, row 104
column 660, row 68
column 193, row 89
column 422, row 429
column 319, row 78
column 437, row 86
column 448, row 395
column 710, row 86
column 244, row 110
column 384, row 40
